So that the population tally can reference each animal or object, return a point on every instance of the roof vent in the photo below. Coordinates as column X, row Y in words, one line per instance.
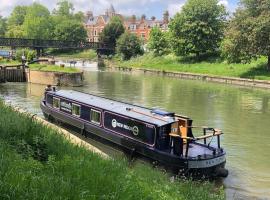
column 162, row 113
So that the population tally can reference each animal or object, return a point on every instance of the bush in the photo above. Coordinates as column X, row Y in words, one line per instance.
column 158, row 42
column 129, row 45
column 29, row 54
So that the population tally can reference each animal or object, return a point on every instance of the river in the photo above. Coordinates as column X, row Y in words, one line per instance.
column 242, row 113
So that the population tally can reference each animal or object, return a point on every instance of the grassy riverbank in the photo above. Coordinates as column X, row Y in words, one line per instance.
column 254, row 70
column 38, row 163
column 53, row 68
column 85, row 54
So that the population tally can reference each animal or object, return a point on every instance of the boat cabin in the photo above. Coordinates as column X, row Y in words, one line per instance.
column 151, row 127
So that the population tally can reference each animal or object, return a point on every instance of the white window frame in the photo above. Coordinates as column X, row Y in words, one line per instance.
column 74, row 104
column 98, row 123
column 58, row 99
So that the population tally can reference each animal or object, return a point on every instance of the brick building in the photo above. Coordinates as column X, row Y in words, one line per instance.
column 95, row 24
column 141, row 27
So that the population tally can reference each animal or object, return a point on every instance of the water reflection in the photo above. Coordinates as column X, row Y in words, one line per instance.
column 242, row 113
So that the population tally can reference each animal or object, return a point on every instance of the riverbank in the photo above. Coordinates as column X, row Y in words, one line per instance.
column 253, row 74
column 38, row 162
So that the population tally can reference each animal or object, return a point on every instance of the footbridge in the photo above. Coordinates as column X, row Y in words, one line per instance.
column 40, row 45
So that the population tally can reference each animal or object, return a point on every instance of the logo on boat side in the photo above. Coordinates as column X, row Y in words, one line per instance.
column 134, row 129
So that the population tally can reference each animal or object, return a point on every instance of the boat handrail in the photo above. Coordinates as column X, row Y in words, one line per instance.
column 196, row 138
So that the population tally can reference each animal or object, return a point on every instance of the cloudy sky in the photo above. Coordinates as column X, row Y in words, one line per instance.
column 126, row 7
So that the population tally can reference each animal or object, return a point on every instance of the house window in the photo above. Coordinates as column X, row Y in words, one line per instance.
column 76, row 110
column 95, row 116
column 56, row 103
column 95, row 32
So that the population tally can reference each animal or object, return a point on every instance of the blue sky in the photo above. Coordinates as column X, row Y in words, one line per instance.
column 125, row 7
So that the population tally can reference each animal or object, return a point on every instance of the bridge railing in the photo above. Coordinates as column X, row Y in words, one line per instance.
column 36, row 43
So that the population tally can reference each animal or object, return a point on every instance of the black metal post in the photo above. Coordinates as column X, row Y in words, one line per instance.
column 204, row 133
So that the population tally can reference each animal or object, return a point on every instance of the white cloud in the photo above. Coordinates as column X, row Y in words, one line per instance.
column 224, row 2
column 175, row 8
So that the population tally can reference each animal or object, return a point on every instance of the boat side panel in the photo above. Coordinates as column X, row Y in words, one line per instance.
column 139, row 131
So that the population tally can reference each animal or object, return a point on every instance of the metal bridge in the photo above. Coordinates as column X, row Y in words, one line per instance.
column 39, row 45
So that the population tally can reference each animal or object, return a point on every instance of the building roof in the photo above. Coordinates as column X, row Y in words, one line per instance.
column 129, row 110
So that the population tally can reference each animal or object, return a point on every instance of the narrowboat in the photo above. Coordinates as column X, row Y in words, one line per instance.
column 164, row 137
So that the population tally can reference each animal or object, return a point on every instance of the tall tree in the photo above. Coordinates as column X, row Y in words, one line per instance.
column 64, row 8
column 70, row 30
column 112, row 31
column 158, row 42
column 3, row 26
column 15, row 21
column 129, row 45
column 248, row 33
column 37, row 23
column 68, row 26
column 198, row 28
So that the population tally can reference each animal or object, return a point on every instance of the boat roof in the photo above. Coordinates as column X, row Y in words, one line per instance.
column 150, row 116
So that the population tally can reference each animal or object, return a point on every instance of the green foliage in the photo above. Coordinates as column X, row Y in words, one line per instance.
column 158, row 42
column 37, row 23
column 29, row 54
column 17, row 16
column 70, row 30
column 3, row 26
column 68, row 26
column 112, row 31
column 65, row 9
column 247, row 35
column 198, row 28
column 129, row 45
column 37, row 162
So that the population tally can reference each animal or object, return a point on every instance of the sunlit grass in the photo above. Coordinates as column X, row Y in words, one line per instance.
column 85, row 54
column 253, row 70
column 53, row 68
column 38, row 163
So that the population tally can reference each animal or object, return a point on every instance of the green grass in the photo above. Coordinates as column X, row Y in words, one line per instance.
column 9, row 62
column 254, row 70
column 38, row 163
column 86, row 54
column 53, row 68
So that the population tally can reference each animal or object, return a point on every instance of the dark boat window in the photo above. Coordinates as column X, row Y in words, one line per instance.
column 76, row 110
column 95, row 116
column 56, row 103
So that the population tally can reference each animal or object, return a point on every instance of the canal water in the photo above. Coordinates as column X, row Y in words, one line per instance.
column 242, row 113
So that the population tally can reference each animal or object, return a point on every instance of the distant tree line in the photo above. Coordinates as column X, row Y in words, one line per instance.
column 204, row 28
column 36, row 22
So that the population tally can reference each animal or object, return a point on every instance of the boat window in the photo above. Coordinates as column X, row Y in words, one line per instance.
column 56, row 103
column 95, row 116
column 76, row 110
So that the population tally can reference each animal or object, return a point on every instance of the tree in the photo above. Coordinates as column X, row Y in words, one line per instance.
column 3, row 26
column 70, row 30
column 158, row 42
column 248, row 33
column 112, row 31
column 129, row 45
column 65, row 8
column 37, row 23
column 198, row 28
column 15, row 21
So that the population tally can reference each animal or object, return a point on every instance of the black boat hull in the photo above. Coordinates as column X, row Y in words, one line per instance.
column 184, row 165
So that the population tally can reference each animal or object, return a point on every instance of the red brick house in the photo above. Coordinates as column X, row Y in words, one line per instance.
column 141, row 27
